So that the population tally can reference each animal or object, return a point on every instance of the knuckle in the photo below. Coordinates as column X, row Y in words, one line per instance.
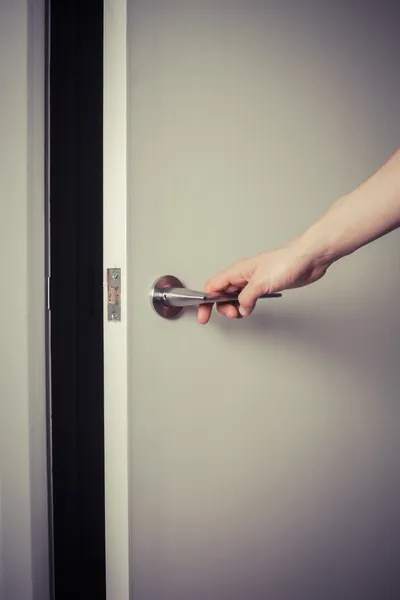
column 211, row 282
column 239, row 263
column 245, row 299
column 261, row 283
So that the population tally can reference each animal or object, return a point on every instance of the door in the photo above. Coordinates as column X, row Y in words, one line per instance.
column 249, row 459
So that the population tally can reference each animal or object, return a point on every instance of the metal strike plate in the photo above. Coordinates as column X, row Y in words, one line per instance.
column 114, row 294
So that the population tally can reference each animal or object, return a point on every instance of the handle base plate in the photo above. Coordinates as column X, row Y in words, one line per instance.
column 156, row 296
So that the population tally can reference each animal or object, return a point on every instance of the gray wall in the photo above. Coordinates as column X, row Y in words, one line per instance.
column 24, row 570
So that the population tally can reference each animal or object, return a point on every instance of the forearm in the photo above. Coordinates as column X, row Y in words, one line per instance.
column 367, row 213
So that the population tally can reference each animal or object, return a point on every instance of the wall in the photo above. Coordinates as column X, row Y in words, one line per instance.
column 24, row 561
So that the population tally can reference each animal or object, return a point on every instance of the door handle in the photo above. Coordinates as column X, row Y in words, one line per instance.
column 168, row 297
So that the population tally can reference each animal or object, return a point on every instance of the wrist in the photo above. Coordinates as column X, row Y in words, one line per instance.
column 317, row 244
column 328, row 239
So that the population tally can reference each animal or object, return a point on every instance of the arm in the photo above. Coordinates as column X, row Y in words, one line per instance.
column 369, row 212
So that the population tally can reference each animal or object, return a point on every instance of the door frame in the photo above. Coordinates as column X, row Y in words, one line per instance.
column 116, row 376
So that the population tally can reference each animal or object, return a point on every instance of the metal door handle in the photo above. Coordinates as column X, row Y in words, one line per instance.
column 169, row 297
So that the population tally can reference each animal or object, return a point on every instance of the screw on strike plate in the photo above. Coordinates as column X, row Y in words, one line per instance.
column 115, row 275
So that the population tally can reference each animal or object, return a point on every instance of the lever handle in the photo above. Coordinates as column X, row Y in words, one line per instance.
column 169, row 297
column 182, row 297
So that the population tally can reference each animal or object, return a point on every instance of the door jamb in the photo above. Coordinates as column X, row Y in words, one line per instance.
column 116, row 333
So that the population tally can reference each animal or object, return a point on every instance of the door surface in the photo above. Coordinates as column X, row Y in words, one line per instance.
column 263, row 453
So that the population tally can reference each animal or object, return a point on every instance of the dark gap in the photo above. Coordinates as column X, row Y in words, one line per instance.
column 76, row 252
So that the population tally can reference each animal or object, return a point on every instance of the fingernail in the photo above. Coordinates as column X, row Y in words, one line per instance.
column 243, row 311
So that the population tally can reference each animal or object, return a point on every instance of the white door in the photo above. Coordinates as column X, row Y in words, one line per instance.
column 253, row 459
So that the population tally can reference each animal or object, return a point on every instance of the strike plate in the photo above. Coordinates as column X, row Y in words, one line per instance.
column 114, row 294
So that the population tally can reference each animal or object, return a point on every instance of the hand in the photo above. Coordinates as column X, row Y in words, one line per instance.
column 269, row 272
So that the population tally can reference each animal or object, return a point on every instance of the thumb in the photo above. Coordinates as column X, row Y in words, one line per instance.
column 248, row 297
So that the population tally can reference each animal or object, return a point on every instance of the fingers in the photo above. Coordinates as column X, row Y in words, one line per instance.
column 229, row 310
column 230, row 280
column 204, row 313
column 205, row 310
column 249, row 296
